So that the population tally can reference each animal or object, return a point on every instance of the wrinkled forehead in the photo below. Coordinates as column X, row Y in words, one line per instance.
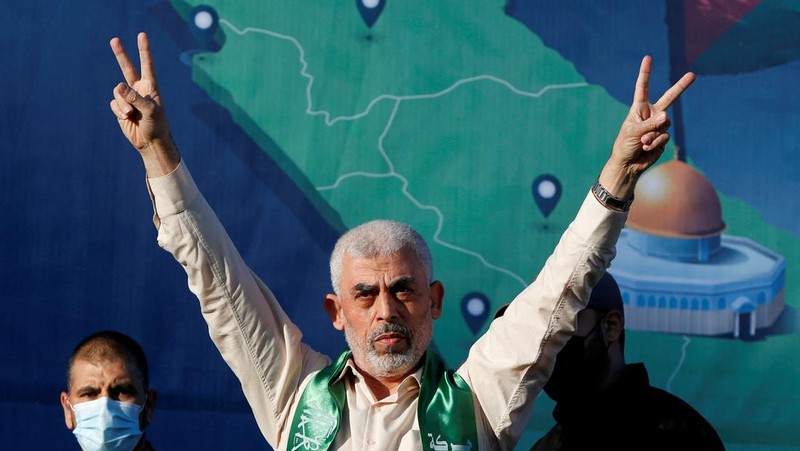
column 401, row 264
column 104, row 372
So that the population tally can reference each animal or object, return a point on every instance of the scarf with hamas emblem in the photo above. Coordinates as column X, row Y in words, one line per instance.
column 445, row 410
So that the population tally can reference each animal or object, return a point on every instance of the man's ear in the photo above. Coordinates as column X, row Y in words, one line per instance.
column 437, row 297
column 334, row 309
column 613, row 325
column 69, row 415
column 147, row 412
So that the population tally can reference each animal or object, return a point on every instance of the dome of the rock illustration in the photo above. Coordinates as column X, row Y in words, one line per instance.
column 679, row 273
column 675, row 200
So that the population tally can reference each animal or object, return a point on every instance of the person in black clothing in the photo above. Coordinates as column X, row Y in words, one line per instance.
column 604, row 403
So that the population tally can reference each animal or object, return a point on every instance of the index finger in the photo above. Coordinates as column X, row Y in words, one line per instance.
column 125, row 64
column 145, row 59
column 675, row 91
column 642, row 92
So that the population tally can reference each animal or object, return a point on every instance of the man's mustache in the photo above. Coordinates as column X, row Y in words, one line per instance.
column 390, row 328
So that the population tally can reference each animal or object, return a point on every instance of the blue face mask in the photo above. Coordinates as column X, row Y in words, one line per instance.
column 104, row 424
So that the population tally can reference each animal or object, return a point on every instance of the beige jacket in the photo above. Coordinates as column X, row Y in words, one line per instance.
column 506, row 367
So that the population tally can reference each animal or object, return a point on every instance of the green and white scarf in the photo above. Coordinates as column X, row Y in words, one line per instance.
column 445, row 410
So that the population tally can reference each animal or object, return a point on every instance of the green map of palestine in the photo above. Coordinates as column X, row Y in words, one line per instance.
column 373, row 128
column 441, row 117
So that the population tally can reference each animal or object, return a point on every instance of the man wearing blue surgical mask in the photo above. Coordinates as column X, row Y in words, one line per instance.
column 108, row 402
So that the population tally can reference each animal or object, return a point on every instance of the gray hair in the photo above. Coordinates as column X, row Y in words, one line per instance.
column 379, row 237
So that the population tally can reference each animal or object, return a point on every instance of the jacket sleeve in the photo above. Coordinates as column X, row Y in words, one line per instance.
column 508, row 366
column 246, row 323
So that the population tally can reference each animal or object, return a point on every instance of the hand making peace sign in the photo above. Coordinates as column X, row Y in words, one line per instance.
column 643, row 134
column 139, row 110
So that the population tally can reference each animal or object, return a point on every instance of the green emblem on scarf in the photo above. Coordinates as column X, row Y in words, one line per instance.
column 445, row 410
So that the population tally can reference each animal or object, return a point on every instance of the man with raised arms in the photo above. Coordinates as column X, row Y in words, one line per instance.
column 389, row 390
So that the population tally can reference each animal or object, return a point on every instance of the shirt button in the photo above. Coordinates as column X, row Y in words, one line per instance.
column 371, row 442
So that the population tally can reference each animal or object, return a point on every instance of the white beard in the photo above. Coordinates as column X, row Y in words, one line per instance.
column 392, row 362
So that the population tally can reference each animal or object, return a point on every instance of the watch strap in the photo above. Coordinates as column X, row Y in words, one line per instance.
column 609, row 201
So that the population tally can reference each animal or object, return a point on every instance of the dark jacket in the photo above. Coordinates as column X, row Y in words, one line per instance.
column 629, row 415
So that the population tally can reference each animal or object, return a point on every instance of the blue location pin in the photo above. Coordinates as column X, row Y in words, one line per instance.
column 370, row 10
column 546, row 192
column 475, row 310
column 204, row 22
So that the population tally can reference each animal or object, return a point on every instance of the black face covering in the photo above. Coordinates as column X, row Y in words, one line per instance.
column 580, row 367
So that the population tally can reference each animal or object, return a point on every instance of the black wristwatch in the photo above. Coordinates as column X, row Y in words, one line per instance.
column 609, row 201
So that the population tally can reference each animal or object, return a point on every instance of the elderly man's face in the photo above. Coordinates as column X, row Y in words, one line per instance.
column 115, row 379
column 386, row 310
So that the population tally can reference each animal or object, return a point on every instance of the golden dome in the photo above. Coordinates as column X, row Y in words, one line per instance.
column 674, row 200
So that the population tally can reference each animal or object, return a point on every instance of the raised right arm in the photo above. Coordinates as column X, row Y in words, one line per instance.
column 245, row 321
